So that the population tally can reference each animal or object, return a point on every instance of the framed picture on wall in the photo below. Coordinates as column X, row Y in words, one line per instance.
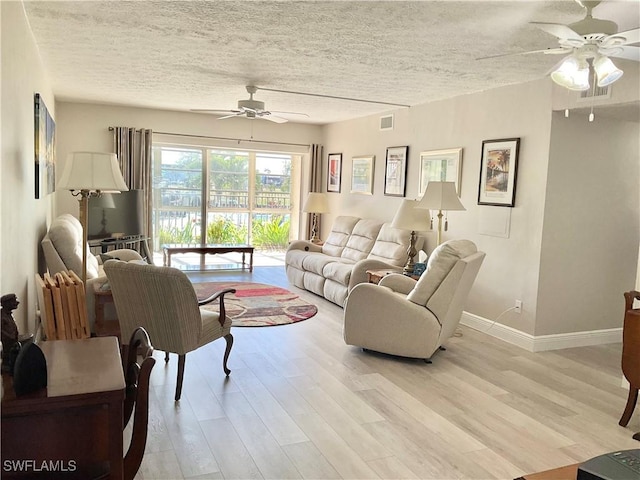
column 334, row 172
column 362, row 175
column 395, row 171
column 440, row 166
column 45, row 148
column 498, row 172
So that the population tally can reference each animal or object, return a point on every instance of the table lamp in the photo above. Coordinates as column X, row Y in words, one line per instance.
column 316, row 203
column 408, row 217
column 441, row 196
column 89, row 174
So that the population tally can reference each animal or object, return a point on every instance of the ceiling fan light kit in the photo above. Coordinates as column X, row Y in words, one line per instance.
column 589, row 42
column 606, row 71
column 572, row 74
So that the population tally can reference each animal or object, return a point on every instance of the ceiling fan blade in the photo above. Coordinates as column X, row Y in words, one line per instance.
column 239, row 114
column 273, row 118
column 215, row 111
column 289, row 113
column 558, row 30
column 548, row 51
column 628, row 51
column 622, row 38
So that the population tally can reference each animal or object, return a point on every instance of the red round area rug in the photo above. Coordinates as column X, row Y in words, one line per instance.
column 257, row 304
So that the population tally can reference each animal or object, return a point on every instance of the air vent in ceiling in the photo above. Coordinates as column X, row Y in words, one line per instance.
column 386, row 122
column 595, row 93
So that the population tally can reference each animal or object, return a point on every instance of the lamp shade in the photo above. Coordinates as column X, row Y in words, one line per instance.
column 606, row 71
column 316, row 203
column 440, row 196
column 93, row 171
column 572, row 74
column 408, row 217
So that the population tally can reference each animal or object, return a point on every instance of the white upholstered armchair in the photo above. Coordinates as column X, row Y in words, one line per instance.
column 401, row 316
column 62, row 248
column 162, row 301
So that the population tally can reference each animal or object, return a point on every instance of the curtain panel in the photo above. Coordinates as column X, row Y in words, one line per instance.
column 315, row 183
column 133, row 148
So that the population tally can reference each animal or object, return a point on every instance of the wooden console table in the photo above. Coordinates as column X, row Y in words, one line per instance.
column 73, row 428
column 211, row 248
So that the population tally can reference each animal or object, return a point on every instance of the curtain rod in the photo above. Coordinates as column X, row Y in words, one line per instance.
column 227, row 138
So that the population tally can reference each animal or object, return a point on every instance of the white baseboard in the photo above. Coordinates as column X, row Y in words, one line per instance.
column 541, row 343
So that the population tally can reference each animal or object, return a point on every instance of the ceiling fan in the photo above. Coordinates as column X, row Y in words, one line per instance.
column 252, row 109
column 588, row 41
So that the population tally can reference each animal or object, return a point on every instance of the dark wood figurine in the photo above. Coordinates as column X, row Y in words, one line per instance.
column 9, row 333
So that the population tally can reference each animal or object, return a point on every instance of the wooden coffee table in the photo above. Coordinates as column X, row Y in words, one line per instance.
column 173, row 248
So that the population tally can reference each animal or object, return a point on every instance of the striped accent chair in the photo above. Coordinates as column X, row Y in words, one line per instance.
column 162, row 301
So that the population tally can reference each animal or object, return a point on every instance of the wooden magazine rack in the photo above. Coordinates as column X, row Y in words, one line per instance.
column 63, row 306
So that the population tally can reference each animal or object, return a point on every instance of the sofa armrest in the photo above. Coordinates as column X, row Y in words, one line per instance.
column 359, row 272
column 304, row 245
column 124, row 254
column 398, row 283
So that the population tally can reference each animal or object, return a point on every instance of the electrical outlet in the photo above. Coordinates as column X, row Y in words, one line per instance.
column 518, row 306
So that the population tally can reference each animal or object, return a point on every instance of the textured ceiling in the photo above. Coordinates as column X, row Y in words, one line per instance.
column 183, row 55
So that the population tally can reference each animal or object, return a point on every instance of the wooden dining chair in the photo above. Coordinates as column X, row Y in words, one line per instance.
column 631, row 353
column 136, row 400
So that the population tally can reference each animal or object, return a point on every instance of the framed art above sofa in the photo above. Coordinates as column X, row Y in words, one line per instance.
column 362, row 175
column 334, row 172
column 395, row 171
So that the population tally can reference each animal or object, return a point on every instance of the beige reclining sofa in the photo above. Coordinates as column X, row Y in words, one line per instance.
column 353, row 246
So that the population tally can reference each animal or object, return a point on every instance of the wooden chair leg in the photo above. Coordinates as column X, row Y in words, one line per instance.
column 631, row 405
column 181, row 359
column 133, row 457
column 229, row 339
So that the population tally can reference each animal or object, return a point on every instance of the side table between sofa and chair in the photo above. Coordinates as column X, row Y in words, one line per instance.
column 103, row 327
column 374, row 276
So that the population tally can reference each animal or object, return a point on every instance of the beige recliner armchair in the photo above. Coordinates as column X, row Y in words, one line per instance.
column 401, row 316
column 62, row 247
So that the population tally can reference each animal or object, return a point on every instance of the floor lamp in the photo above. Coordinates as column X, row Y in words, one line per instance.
column 316, row 203
column 408, row 217
column 441, row 196
column 89, row 174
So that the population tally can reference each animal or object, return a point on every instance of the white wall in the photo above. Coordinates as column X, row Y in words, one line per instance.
column 83, row 126
column 591, row 224
column 510, row 270
column 24, row 219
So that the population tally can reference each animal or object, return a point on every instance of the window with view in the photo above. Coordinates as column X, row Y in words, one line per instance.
column 208, row 195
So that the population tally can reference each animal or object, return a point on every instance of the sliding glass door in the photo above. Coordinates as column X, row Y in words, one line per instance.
column 207, row 195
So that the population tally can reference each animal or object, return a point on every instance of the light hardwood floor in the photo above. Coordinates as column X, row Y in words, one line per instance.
column 301, row 404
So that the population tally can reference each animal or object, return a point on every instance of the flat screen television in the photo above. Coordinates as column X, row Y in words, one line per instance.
column 123, row 215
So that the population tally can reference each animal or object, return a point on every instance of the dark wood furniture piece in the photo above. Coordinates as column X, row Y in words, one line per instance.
column 104, row 327
column 569, row 472
column 376, row 275
column 631, row 354
column 173, row 248
column 74, row 426
column 136, row 401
